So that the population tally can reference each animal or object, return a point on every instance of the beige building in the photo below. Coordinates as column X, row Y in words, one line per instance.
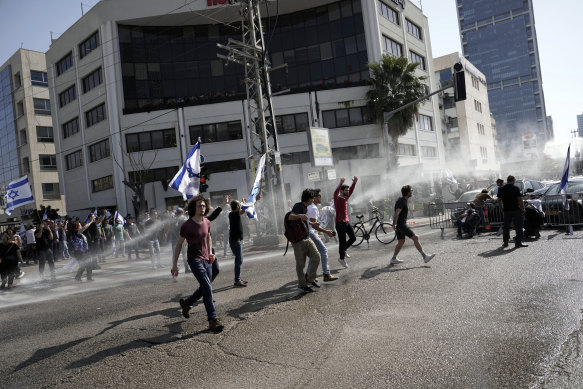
column 26, row 128
column 467, row 127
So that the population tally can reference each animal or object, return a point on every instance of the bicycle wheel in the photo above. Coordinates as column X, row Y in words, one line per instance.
column 385, row 233
column 359, row 233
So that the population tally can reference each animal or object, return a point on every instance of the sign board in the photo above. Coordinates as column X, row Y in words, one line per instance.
column 314, row 176
column 331, row 174
column 529, row 143
column 320, row 147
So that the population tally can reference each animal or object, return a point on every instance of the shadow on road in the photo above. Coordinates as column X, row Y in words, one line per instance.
column 496, row 252
column 375, row 271
column 48, row 352
column 261, row 300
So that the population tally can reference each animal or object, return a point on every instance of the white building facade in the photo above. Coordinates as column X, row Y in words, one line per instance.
column 469, row 138
column 27, row 133
column 135, row 84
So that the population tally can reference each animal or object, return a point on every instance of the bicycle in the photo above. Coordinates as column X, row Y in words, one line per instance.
column 384, row 232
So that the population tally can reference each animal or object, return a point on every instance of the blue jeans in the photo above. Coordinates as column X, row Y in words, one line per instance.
column 237, row 249
column 323, row 252
column 203, row 273
column 64, row 249
column 154, row 249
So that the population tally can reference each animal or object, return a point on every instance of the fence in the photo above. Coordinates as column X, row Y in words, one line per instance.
column 557, row 215
column 444, row 215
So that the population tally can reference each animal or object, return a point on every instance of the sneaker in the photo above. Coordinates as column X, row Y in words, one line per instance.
column 343, row 263
column 428, row 257
column 520, row 245
column 347, row 255
column 20, row 275
column 306, row 289
column 329, row 277
column 215, row 325
column 240, row 284
column 185, row 308
column 395, row 261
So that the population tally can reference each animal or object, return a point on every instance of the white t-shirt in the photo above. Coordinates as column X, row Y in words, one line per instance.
column 312, row 214
column 30, row 236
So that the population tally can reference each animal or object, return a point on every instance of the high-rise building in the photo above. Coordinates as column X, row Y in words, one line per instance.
column 136, row 82
column 466, row 126
column 499, row 38
column 26, row 130
column 580, row 125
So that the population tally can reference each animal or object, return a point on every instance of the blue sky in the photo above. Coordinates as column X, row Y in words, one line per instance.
column 29, row 23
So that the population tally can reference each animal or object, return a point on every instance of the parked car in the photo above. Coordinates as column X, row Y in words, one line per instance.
column 468, row 196
column 553, row 204
column 523, row 185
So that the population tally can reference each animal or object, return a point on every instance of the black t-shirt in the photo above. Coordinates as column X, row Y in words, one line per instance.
column 235, row 226
column 402, row 204
column 42, row 243
column 509, row 195
column 301, row 209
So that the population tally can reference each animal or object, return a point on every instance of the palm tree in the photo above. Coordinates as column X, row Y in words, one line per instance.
column 393, row 84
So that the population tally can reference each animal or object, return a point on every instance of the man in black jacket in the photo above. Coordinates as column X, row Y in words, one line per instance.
column 512, row 206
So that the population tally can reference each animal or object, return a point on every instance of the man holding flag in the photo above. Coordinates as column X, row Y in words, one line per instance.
column 187, row 180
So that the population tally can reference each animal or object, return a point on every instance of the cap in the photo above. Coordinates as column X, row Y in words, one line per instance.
column 179, row 210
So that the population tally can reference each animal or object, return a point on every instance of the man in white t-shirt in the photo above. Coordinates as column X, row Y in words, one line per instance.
column 315, row 226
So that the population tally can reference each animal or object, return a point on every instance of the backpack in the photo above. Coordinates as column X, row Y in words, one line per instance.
column 294, row 230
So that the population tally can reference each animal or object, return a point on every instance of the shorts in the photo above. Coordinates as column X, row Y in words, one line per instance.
column 403, row 231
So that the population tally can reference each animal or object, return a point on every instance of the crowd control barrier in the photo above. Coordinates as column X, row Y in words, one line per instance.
column 558, row 214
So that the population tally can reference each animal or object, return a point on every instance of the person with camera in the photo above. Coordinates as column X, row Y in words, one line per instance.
column 313, row 225
column 43, row 237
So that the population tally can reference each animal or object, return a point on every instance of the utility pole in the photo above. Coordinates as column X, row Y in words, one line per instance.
column 251, row 53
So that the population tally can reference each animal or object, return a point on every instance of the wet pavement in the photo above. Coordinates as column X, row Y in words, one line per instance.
column 475, row 316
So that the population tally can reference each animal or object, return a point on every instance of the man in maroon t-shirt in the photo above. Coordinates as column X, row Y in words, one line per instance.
column 343, row 227
column 197, row 232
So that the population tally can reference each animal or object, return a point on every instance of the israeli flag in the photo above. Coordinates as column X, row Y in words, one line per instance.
column 45, row 217
column 187, row 180
column 249, row 206
column 18, row 193
column 107, row 214
column 565, row 179
column 449, row 177
column 118, row 216
column 88, row 218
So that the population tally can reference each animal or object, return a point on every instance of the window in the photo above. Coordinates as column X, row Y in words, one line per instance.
column 70, row 128
column 428, row 152
column 51, row 191
column 414, row 57
column 39, row 78
column 392, row 47
column 153, row 175
column 229, row 165
column 67, row 96
column 406, row 150
column 44, row 134
column 74, row 160
column 64, row 64
column 413, row 29
column 95, row 115
column 19, row 109
column 348, row 117
column 103, row 183
column 42, row 106
column 355, row 152
column 99, row 151
column 424, row 123
column 92, row 80
column 17, row 81
column 481, row 129
column 48, row 162
column 89, row 44
column 25, row 165
column 151, row 140
column 475, row 83
column 216, row 132
column 295, row 158
column 23, row 138
column 388, row 13
column 484, row 152
column 287, row 124
column 478, row 106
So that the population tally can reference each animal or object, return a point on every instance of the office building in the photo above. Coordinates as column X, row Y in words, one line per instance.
column 499, row 38
column 136, row 83
column 468, row 136
column 580, row 125
column 26, row 130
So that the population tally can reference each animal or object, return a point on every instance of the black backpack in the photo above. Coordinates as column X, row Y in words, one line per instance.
column 294, row 230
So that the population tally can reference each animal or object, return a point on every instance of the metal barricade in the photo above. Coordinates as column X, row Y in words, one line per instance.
column 493, row 216
column 445, row 215
column 556, row 212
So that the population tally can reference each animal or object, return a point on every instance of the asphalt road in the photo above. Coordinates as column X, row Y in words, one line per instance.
column 476, row 316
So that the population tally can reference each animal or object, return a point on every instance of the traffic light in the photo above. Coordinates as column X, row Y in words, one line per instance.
column 459, row 82
column 203, row 185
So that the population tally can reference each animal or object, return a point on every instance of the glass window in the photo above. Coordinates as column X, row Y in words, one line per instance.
column 216, row 132
column 74, row 160
column 413, row 29
column 64, row 64
column 388, row 12
column 70, row 128
column 39, row 78
column 151, row 140
column 342, row 118
column 42, row 106
column 99, row 151
column 92, row 80
column 406, row 150
column 95, row 115
column 102, row 184
column 355, row 116
column 329, row 119
column 67, row 96
column 414, row 57
column 392, row 47
column 51, row 191
column 89, row 44
column 44, row 134
column 48, row 162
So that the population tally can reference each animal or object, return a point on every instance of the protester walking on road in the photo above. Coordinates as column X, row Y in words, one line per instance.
column 80, row 246
column 9, row 253
column 154, row 229
column 314, row 225
column 304, row 247
column 196, row 231
column 43, row 237
column 512, row 206
column 400, row 225
column 343, row 227
column 133, row 234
